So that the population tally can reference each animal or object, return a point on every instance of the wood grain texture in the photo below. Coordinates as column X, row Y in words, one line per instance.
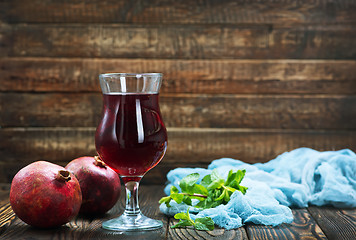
column 207, row 11
column 303, row 227
column 183, row 76
column 90, row 228
column 179, row 41
column 157, row 175
column 186, row 147
column 4, row 191
column 7, row 216
column 140, row 41
column 187, row 110
column 336, row 223
column 191, row 233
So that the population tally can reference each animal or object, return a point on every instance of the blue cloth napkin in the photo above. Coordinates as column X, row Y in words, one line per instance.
column 294, row 179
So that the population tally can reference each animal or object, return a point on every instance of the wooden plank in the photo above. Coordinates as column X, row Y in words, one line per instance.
column 20, row 230
column 186, row 147
column 4, row 192
column 211, row 11
column 303, row 227
column 187, row 110
column 191, row 233
column 90, row 228
column 132, row 41
column 7, row 216
column 179, row 41
column 183, row 76
column 185, row 144
column 157, row 175
column 336, row 223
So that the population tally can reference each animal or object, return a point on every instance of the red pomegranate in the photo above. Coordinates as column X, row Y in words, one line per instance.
column 100, row 184
column 45, row 195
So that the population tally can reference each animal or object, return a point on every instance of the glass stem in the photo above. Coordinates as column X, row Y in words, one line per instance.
column 132, row 208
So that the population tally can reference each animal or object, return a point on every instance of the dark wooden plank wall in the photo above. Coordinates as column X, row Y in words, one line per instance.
column 243, row 79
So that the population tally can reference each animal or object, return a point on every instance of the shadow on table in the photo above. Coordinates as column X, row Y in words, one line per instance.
column 106, row 234
column 80, row 230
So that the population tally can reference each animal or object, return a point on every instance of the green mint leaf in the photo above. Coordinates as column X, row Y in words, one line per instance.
column 187, row 200
column 226, row 196
column 234, row 184
column 185, row 219
column 201, row 227
column 216, row 184
column 165, row 200
column 242, row 189
column 215, row 193
column 230, row 177
column 215, row 175
column 206, row 181
column 216, row 203
column 230, row 189
column 188, row 214
column 188, row 182
column 205, row 204
column 205, row 224
column 201, row 204
column 182, row 216
column 182, row 223
column 200, row 189
column 240, row 175
column 222, row 195
column 178, row 197
column 191, row 179
column 174, row 189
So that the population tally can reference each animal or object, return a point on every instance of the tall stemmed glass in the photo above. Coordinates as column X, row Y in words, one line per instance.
column 131, row 138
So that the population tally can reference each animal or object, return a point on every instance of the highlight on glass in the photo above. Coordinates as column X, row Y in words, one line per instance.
column 131, row 138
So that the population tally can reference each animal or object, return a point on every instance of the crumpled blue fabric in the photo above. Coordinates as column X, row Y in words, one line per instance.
column 298, row 178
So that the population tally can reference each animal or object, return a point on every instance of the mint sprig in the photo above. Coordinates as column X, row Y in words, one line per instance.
column 212, row 191
column 205, row 223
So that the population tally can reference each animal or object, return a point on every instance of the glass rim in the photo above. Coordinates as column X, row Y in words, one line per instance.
column 130, row 74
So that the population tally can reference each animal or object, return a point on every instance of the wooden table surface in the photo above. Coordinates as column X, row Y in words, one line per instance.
column 309, row 223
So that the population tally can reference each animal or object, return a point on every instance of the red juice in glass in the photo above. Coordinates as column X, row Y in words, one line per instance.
column 131, row 137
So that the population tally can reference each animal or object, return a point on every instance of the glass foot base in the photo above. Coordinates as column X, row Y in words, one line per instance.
column 132, row 223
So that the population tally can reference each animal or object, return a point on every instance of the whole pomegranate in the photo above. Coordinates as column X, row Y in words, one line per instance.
column 45, row 195
column 100, row 184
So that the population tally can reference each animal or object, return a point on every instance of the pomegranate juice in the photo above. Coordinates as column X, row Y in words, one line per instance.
column 131, row 137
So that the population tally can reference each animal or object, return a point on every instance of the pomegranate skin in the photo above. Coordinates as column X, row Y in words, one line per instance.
column 99, row 183
column 45, row 195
